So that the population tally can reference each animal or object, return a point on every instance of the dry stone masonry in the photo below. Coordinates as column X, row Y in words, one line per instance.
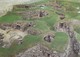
column 9, row 32
column 32, row 14
column 38, row 51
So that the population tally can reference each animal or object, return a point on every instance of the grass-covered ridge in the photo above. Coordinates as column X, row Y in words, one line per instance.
column 10, row 17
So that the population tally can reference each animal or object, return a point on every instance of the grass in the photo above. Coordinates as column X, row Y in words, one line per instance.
column 60, row 41
column 77, row 29
column 58, row 44
column 50, row 20
column 40, row 2
column 78, row 36
column 28, row 42
column 71, row 9
column 44, row 24
column 10, row 17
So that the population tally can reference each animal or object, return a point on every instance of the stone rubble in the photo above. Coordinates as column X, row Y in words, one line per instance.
column 32, row 14
column 38, row 51
column 9, row 32
column 73, row 47
column 49, row 37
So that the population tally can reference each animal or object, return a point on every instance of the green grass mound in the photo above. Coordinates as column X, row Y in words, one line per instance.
column 10, row 17
column 42, row 25
column 60, row 41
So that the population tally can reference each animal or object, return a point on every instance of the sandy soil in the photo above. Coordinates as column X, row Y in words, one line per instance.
column 11, row 35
